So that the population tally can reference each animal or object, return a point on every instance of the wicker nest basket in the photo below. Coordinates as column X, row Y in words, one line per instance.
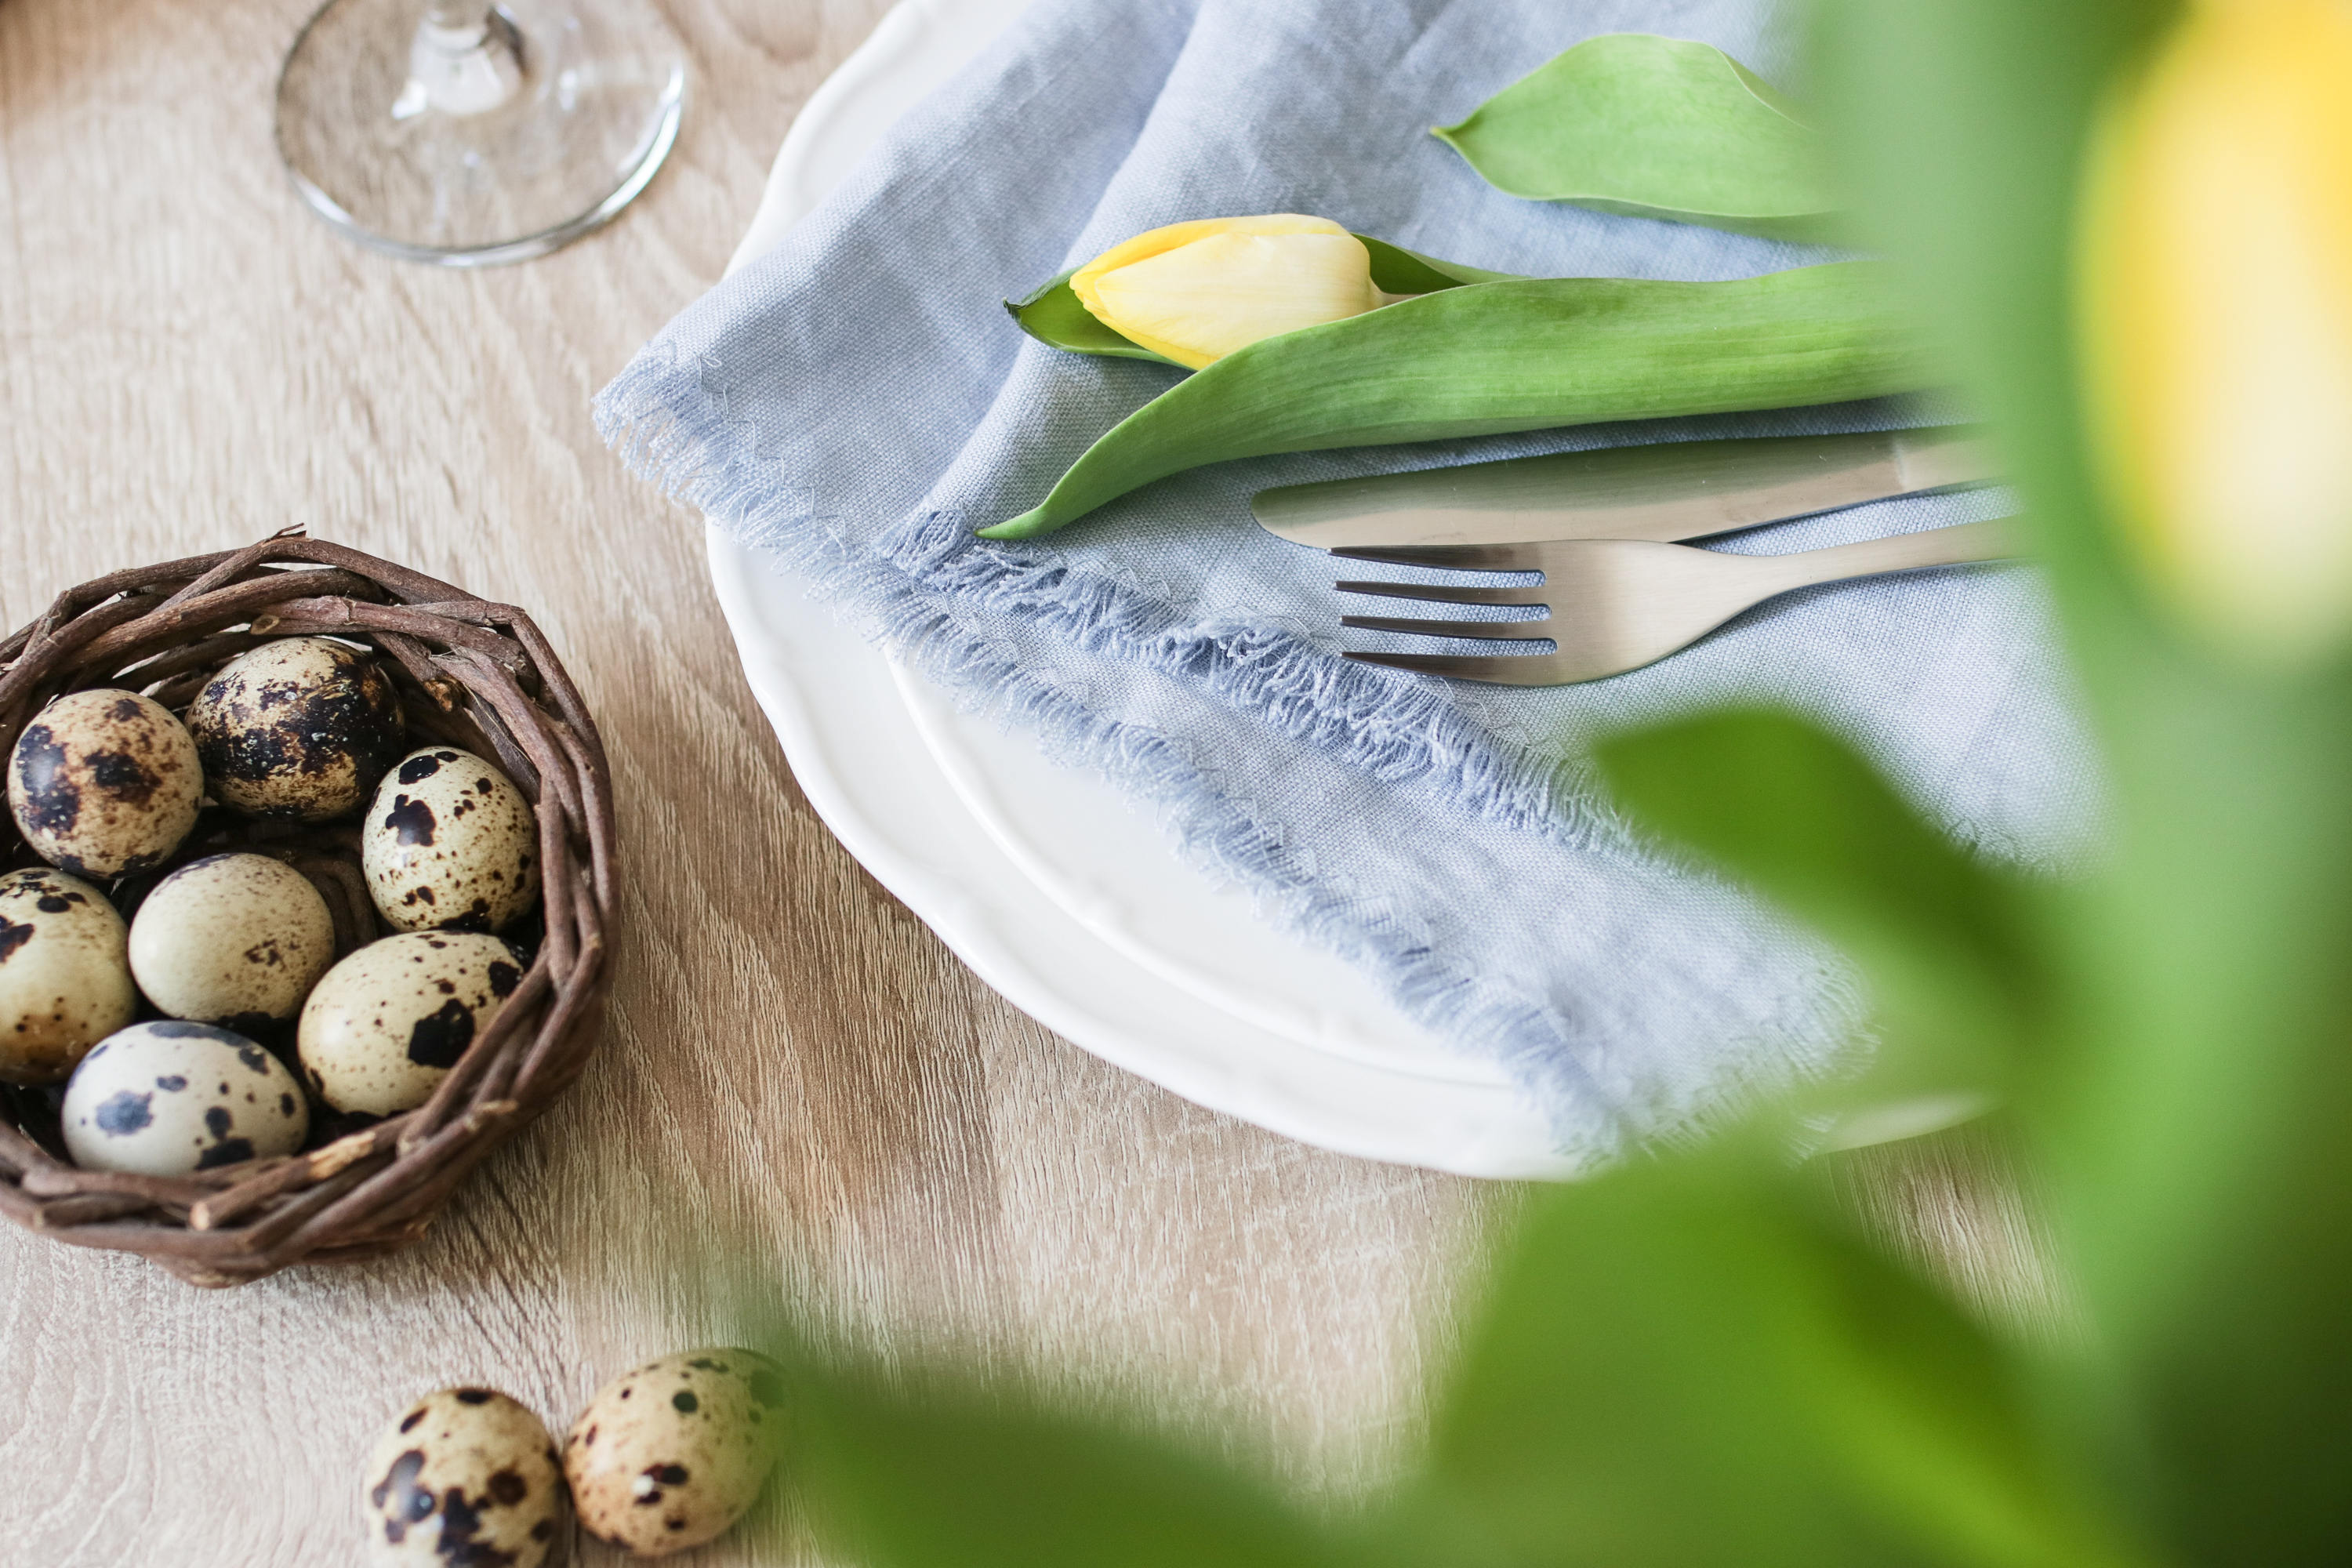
column 471, row 674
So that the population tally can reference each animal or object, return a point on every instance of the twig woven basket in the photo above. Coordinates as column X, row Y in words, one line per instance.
column 471, row 674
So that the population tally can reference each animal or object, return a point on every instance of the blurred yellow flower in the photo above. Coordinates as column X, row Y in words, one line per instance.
column 2217, row 302
column 1197, row 291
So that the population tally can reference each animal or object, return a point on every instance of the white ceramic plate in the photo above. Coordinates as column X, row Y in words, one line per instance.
column 864, row 767
column 1088, row 848
column 1047, row 880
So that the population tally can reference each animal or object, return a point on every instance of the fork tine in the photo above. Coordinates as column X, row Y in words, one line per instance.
column 1508, row 670
column 1495, row 631
column 1455, row 557
column 1446, row 593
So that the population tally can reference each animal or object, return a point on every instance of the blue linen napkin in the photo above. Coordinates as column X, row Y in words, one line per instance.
column 858, row 402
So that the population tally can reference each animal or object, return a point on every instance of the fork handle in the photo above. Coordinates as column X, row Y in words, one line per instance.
column 1955, row 546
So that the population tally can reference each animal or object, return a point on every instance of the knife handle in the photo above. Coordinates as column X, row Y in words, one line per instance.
column 1667, row 492
column 1942, row 456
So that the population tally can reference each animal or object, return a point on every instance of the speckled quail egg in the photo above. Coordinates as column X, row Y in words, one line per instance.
column 104, row 781
column 465, row 1475
column 65, row 982
column 166, row 1098
column 231, row 939
column 388, row 1023
column 300, row 728
column 669, row 1456
column 448, row 841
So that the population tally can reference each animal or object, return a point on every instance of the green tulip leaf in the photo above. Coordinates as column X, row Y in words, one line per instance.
column 1487, row 358
column 1951, row 943
column 1054, row 315
column 1396, row 270
column 1693, row 1363
column 1651, row 127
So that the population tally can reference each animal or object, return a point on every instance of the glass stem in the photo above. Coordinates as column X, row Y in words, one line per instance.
column 466, row 59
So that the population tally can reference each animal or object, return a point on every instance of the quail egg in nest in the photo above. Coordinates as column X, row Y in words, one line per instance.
column 168, row 1097
column 231, row 939
column 449, row 841
column 104, row 781
column 300, row 728
column 387, row 1024
column 65, row 978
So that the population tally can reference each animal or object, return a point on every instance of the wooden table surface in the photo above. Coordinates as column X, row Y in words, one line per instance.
column 188, row 362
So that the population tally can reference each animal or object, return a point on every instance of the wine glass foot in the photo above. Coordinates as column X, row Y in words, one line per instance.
column 470, row 135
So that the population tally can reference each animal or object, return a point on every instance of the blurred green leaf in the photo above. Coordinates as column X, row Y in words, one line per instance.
column 1960, row 126
column 944, row 1473
column 2204, row 1168
column 1688, row 1364
column 1947, row 939
column 1652, row 127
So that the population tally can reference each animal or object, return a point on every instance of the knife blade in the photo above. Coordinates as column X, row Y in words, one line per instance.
column 1666, row 491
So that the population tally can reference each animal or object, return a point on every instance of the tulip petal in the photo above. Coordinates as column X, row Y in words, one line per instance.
column 2217, row 279
column 1153, row 242
column 1054, row 315
column 1201, row 301
column 1191, row 292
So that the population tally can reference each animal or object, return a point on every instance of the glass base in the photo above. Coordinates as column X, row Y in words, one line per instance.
column 424, row 133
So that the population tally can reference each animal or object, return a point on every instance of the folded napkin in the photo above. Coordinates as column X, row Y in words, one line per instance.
column 858, row 402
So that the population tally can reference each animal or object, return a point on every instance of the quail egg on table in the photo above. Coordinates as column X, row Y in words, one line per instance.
column 300, row 728
column 231, row 938
column 104, row 781
column 388, row 1023
column 465, row 1475
column 166, row 1098
column 65, row 982
column 669, row 1456
column 449, row 841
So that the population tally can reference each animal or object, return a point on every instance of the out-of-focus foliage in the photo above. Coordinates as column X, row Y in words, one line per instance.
column 1692, row 1361
column 1948, row 940
column 2198, row 1138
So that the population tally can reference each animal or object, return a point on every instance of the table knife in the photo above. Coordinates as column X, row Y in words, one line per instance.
column 1668, row 490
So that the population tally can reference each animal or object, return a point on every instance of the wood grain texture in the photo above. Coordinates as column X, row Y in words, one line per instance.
column 186, row 362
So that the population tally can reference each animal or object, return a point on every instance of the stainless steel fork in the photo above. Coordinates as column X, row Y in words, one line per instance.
column 1616, row 605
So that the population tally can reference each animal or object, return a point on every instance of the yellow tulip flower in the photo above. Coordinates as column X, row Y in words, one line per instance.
column 2217, row 304
column 1197, row 291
